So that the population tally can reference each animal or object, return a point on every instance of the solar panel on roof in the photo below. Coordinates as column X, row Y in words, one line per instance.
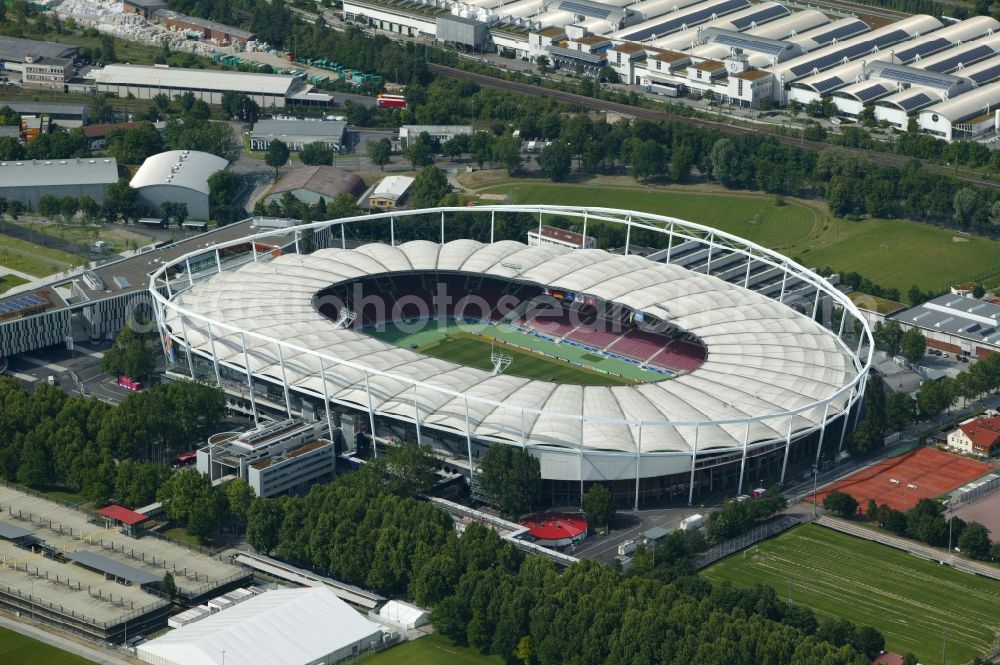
column 763, row 15
column 848, row 30
column 675, row 24
column 586, row 10
column 910, row 103
column 915, row 78
column 986, row 75
column 966, row 57
column 871, row 92
column 906, row 55
column 749, row 44
column 829, row 84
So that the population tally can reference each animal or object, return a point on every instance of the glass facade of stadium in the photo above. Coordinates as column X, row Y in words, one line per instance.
column 665, row 453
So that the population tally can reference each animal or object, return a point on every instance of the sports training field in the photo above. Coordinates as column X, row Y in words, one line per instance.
column 430, row 650
column 911, row 601
column 18, row 648
column 472, row 345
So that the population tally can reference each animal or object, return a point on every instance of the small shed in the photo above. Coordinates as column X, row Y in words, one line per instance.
column 403, row 614
column 654, row 535
column 123, row 517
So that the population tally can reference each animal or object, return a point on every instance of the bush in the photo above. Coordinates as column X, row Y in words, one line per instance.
column 841, row 503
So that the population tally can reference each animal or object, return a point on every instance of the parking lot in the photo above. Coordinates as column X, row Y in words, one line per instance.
column 629, row 525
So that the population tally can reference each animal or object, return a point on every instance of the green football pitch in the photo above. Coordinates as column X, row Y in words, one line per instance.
column 18, row 648
column 430, row 650
column 913, row 602
column 532, row 357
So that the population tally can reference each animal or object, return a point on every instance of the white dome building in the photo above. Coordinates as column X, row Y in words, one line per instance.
column 179, row 176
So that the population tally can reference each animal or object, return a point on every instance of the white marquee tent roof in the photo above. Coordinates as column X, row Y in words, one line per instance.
column 763, row 357
column 282, row 627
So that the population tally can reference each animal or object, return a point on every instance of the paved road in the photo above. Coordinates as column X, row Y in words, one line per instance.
column 104, row 657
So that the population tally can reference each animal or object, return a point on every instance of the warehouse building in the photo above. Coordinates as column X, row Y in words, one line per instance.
column 297, row 134
column 68, row 115
column 15, row 52
column 143, row 8
column 310, row 626
column 28, row 181
column 204, row 28
column 311, row 183
column 147, row 81
column 956, row 324
column 273, row 459
column 178, row 176
column 436, row 132
column 965, row 116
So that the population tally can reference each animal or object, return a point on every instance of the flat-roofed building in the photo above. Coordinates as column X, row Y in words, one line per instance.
column 389, row 194
column 550, row 235
column 207, row 29
column 29, row 180
column 68, row 114
column 46, row 73
column 297, row 134
column 147, row 81
column 273, row 459
column 143, row 8
column 437, row 132
column 15, row 52
column 956, row 324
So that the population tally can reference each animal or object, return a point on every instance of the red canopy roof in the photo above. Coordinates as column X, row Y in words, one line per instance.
column 122, row 514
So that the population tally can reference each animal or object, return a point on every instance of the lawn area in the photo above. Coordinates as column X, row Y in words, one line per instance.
column 181, row 534
column 7, row 282
column 18, row 648
column 899, row 253
column 752, row 216
column 431, row 650
column 34, row 259
column 120, row 236
column 911, row 601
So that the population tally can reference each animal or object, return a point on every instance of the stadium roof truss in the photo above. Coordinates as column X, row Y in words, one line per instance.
column 772, row 374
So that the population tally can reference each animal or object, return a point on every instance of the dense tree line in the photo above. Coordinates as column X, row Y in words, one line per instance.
column 49, row 438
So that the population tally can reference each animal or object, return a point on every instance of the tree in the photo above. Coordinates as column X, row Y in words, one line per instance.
column 599, row 504
column 168, row 587
column 910, row 659
column 223, row 186
column 511, row 479
column 542, row 62
column 889, row 337
column 263, row 524
column 455, row 146
column 100, row 110
column 900, row 411
column 429, row 187
column 174, row 213
column 133, row 354
column 316, row 154
column 120, row 201
column 481, row 147
column 556, row 161
column 410, row 469
column 379, row 152
column 913, row 345
column 507, row 151
column 965, row 203
column 419, row 150
column 840, row 503
column 277, row 155
column 975, row 541
column 239, row 497
column 206, row 515
column 133, row 145
column 647, row 159
column 978, row 291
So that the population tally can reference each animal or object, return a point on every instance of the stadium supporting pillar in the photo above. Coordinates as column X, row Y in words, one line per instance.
column 638, row 458
column 694, row 459
column 218, row 260
column 585, row 213
column 343, row 236
column 743, row 460
column 816, row 304
column 846, row 415
column 215, row 358
column 326, row 397
column 416, row 413
column 861, row 401
column 253, row 248
column 284, row 381
column 160, row 329
column 843, row 320
column 493, row 222
column 187, row 262
column 246, row 366
column 628, row 233
column 296, row 244
column 524, row 429
column 711, row 246
column 442, row 228
column 788, row 448
column 392, row 231
column 540, row 226
column 468, row 439
column 746, row 280
column 166, row 280
column 784, row 281
column 822, row 433
column 670, row 242
column 861, row 343
column 371, row 414
column 187, row 347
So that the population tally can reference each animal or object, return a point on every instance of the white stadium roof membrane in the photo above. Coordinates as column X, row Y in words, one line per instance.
column 764, row 359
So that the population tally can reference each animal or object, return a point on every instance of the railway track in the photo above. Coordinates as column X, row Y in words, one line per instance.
column 881, row 158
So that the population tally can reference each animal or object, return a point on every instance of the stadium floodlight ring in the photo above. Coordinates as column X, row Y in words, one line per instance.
column 773, row 374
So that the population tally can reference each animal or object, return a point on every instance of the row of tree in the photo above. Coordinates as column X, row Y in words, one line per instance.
column 48, row 438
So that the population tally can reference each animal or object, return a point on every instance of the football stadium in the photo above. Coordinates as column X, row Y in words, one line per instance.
column 695, row 363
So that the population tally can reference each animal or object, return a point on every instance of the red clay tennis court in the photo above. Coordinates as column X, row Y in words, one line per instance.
column 924, row 473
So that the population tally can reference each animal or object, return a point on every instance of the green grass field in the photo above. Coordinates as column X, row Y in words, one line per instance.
column 17, row 648
column 7, row 282
column 34, row 259
column 754, row 217
column 910, row 600
column 430, row 650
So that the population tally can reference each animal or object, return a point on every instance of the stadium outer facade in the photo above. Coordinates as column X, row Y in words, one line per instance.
column 775, row 384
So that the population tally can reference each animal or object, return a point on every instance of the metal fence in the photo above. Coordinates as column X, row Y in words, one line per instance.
column 987, row 486
column 741, row 542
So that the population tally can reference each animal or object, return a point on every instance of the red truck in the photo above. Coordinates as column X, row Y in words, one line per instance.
column 391, row 102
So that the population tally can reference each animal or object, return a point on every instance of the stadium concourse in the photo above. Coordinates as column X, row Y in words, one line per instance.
column 708, row 383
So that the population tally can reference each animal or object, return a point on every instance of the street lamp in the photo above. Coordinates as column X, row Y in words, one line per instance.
column 815, row 474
